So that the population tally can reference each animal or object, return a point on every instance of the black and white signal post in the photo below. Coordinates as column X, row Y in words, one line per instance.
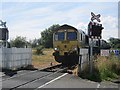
column 94, row 32
column 3, row 34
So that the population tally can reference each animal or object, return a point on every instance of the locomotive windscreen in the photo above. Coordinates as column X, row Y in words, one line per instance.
column 71, row 35
column 59, row 36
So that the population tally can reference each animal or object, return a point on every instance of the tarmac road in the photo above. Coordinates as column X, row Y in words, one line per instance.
column 70, row 81
column 16, row 81
column 57, row 80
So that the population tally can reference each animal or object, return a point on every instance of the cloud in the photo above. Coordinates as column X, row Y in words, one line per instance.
column 35, row 20
column 110, row 25
column 61, row 1
column 83, row 26
column 26, row 20
column 29, row 29
column 31, row 35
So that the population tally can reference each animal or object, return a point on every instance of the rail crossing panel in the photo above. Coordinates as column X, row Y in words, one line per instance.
column 14, row 58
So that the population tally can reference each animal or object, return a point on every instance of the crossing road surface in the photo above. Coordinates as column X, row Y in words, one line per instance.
column 53, row 80
column 70, row 81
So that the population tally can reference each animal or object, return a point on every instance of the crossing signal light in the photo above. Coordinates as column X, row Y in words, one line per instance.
column 97, row 30
column 94, row 29
column 4, row 34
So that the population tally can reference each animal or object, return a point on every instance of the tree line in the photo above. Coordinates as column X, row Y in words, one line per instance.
column 46, row 40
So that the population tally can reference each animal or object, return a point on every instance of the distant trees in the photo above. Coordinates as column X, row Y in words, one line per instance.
column 46, row 39
column 19, row 42
column 35, row 42
column 47, row 36
column 105, row 45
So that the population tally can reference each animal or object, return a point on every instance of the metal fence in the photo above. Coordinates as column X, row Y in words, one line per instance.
column 14, row 58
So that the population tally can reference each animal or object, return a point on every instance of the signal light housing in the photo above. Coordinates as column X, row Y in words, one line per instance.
column 94, row 29
column 4, row 34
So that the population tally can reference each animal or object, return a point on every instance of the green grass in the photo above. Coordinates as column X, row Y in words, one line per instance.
column 104, row 68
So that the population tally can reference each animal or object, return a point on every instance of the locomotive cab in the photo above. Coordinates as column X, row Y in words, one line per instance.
column 66, row 42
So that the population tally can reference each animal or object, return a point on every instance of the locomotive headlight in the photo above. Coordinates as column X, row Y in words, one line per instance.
column 56, row 49
column 74, row 48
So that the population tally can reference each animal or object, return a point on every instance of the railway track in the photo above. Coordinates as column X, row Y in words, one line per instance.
column 33, row 79
column 13, row 74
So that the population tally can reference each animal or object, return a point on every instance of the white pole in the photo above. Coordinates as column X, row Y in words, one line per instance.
column 91, row 55
column 6, row 43
column 6, row 39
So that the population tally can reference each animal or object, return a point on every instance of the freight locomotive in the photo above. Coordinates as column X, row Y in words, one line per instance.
column 67, row 40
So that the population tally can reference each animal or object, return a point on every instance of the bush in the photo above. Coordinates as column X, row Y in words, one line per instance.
column 39, row 50
column 109, row 67
column 104, row 68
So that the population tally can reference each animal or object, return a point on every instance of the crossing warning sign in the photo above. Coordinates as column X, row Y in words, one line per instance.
column 97, row 17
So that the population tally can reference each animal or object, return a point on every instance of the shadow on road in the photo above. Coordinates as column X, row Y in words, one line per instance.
column 11, row 73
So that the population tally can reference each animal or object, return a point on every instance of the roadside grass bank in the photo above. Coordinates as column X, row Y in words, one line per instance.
column 104, row 68
column 43, row 59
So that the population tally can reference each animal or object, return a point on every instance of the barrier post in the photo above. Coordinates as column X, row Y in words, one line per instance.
column 91, row 55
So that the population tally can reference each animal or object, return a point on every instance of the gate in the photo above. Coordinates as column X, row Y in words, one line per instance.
column 83, row 59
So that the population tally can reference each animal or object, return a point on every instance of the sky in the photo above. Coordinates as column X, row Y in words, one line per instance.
column 29, row 18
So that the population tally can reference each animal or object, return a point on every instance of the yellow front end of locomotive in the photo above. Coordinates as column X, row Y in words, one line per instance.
column 66, row 42
column 66, row 47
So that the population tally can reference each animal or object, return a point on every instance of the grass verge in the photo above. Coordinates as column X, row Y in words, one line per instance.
column 104, row 68
column 44, row 59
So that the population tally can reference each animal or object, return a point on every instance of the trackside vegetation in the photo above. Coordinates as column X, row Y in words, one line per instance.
column 39, row 50
column 104, row 68
column 42, row 58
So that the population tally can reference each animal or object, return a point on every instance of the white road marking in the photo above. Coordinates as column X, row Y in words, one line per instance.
column 52, row 80
column 98, row 86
